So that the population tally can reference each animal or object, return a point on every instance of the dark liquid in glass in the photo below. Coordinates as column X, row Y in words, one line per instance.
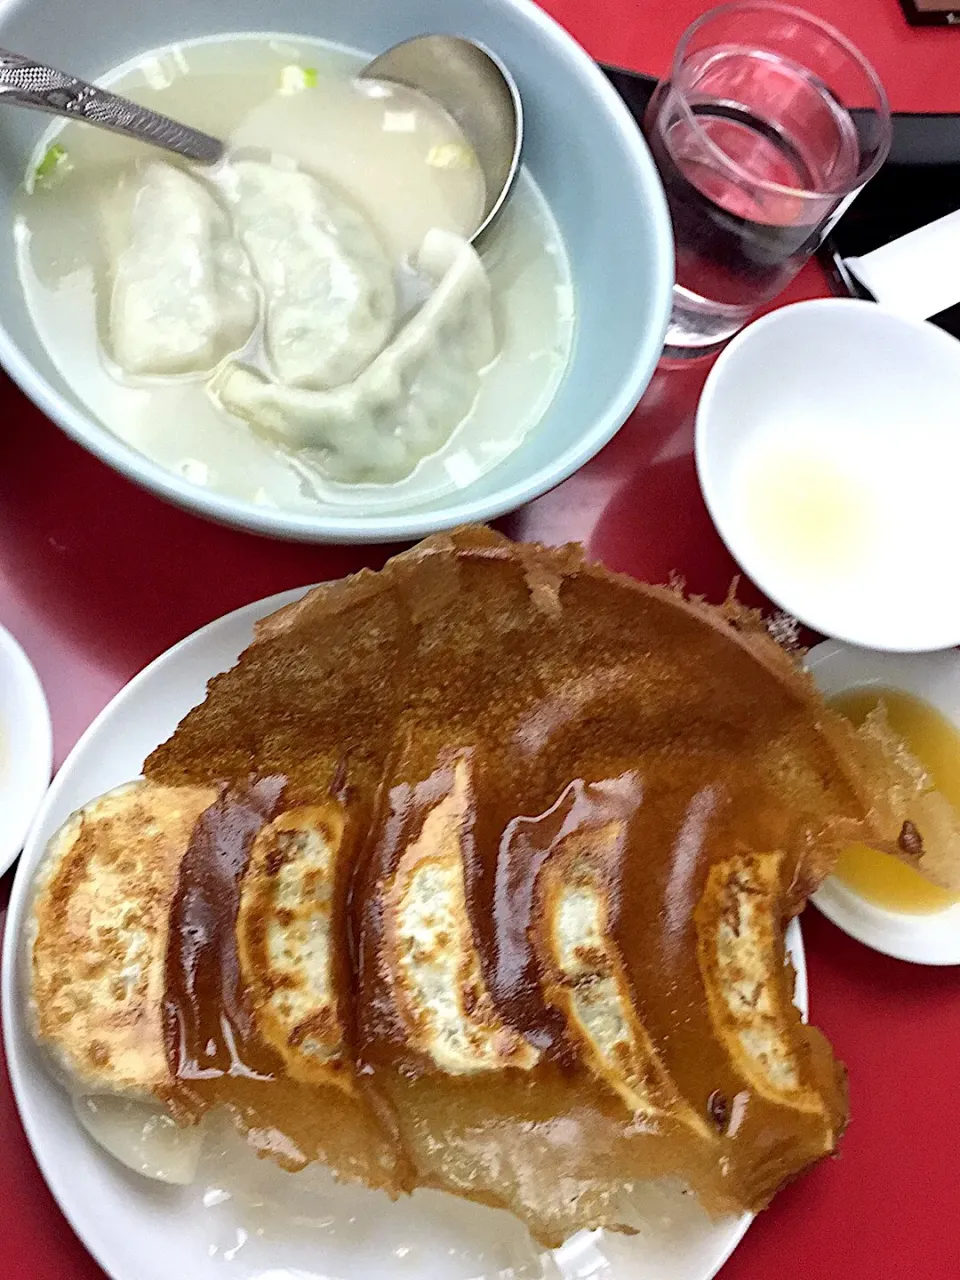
column 747, row 199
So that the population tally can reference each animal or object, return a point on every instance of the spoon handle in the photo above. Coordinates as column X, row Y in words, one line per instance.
column 31, row 84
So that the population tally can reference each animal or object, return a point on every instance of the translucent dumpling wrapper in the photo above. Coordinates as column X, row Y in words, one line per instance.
column 183, row 296
column 406, row 404
column 142, row 1136
column 329, row 293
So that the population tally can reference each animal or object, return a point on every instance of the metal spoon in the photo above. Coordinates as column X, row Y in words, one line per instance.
column 464, row 78
column 474, row 87
column 31, row 84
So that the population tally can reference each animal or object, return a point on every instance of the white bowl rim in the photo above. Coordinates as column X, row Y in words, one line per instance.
column 811, row 306
column 84, row 428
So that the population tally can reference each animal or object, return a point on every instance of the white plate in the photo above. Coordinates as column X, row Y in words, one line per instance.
column 923, row 939
column 26, row 747
column 270, row 1225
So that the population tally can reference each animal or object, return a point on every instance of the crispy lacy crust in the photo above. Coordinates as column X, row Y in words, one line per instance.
column 430, row 955
column 873, row 776
column 428, row 578
column 99, row 936
column 286, row 941
column 928, row 826
column 748, row 985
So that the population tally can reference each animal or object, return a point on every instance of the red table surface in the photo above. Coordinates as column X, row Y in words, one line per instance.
column 97, row 578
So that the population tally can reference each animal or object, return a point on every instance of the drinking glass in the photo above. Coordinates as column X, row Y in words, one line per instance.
column 767, row 126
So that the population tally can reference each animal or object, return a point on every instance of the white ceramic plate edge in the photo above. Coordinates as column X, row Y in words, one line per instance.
column 25, row 775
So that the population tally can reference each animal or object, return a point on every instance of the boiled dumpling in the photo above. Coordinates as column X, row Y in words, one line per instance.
column 183, row 296
column 329, row 294
column 408, row 401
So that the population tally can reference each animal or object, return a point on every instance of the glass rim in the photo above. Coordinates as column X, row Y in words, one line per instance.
column 762, row 6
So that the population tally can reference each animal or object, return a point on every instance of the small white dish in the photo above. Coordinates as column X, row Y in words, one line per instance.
column 140, row 1230
column 828, row 447
column 26, row 747
column 933, row 938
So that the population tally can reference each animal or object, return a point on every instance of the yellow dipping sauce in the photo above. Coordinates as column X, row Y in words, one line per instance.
column 935, row 742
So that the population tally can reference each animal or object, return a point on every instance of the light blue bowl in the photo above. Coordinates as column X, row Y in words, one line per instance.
column 581, row 146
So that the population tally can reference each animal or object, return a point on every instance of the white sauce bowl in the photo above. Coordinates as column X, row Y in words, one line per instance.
column 581, row 146
column 828, row 451
column 934, row 938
